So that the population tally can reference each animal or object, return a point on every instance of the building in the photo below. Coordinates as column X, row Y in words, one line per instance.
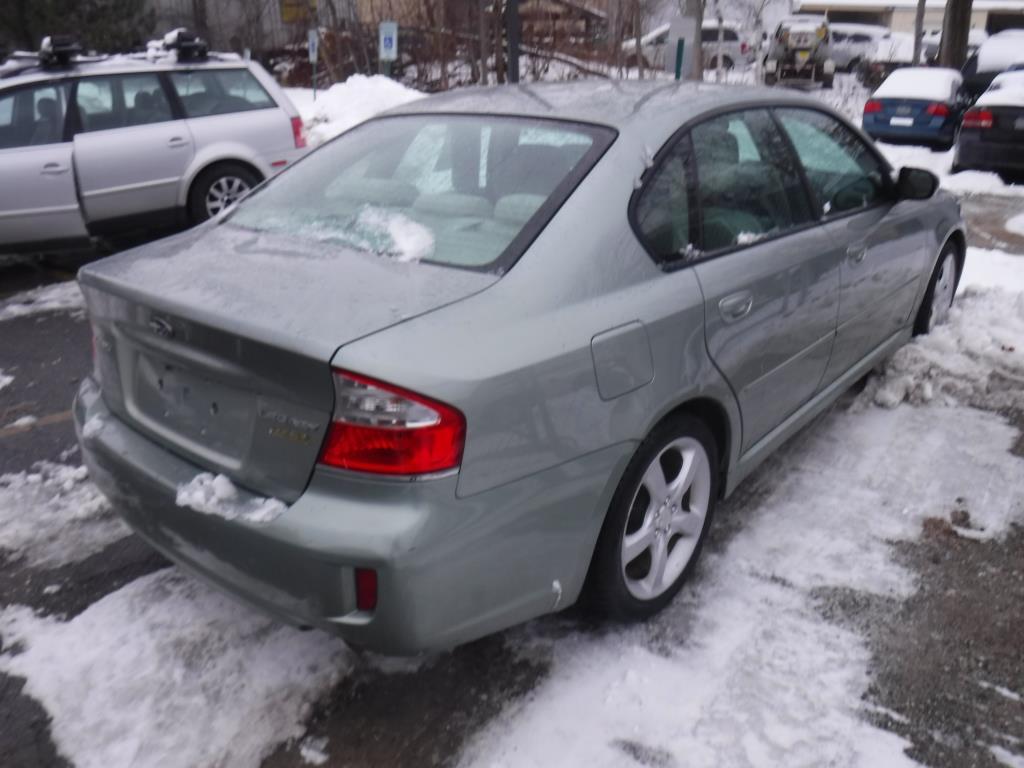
column 898, row 15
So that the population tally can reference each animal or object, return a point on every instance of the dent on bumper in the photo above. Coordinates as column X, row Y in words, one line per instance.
column 449, row 570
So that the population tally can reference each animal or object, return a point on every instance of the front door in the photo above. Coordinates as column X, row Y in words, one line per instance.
column 879, row 241
column 38, row 205
column 130, row 151
column 771, row 286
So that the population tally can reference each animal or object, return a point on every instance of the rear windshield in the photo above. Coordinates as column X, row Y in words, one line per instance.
column 458, row 190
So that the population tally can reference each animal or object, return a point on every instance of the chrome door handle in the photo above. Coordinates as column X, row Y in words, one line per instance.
column 176, row 142
column 857, row 253
column 53, row 169
column 736, row 306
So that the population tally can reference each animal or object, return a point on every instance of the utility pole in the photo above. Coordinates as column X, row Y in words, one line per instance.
column 918, row 32
column 512, row 26
column 694, row 9
column 955, row 26
column 485, row 40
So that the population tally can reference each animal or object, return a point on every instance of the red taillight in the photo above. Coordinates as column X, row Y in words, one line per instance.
column 937, row 110
column 366, row 589
column 383, row 429
column 297, row 134
column 872, row 106
column 744, row 48
column 977, row 118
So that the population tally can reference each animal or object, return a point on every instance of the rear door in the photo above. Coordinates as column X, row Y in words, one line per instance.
column 37, row 182
column 131, row 151
column 879, row 241
column 770, row 285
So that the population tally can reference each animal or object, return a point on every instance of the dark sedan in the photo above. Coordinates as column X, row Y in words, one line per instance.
column 992, row 133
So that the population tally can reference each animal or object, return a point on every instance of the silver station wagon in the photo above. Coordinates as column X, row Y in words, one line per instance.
column 502, row 348
column 101, row 146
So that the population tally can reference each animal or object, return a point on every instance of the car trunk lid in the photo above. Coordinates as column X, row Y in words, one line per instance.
column 217, row 343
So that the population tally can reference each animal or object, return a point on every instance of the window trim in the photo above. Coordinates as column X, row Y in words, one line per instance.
column 73, row 124
column 692, row 211
column 771, row 106
column 888, row 198
column 65, row 134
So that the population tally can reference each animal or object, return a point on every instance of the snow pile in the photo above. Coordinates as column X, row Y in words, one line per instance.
column 22, row 421
column 52, row 515
column 313, row 751
column 403, row 238
column 92, row 427
column 1015, row 225
column 977, row 358
column 166, row 672
column 741, row 669
column 346, row 104
column 58, row 297
column 6, row 379
column 217, row 495
column 1006, row 90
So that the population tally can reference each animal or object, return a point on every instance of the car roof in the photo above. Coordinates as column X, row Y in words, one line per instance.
column 649, row 111
column 24, row 68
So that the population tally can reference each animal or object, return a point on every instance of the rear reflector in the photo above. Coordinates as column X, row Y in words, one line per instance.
column 366, row 589
column 297, row 134
column 977, row 118
column 937, row 110
column 386, row 430
column 872, row 106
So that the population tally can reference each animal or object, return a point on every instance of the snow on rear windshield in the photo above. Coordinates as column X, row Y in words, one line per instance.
column 450, row 189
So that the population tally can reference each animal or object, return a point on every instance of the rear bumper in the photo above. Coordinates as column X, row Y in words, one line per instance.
column 887, row 132
column 974, row 153
column 449, row 570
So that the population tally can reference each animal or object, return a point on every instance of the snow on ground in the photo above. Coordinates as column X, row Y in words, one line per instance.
column 1016, row 224
column 346, row 104
column 52, row 515
column 56, row 297
column 5, row 379
column 167, row 672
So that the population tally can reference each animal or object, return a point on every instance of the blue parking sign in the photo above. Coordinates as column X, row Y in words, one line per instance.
column 388, row 49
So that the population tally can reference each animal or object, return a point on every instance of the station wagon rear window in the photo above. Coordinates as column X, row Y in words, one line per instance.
column 459, row 190
column 206, row 92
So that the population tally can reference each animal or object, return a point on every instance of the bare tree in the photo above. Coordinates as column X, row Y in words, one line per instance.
column 485, row 40
column 955, row 27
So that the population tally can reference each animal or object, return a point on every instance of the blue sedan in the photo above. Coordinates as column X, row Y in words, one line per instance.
column 917, row 105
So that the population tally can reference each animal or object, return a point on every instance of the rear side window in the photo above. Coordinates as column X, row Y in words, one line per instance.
column 458, row 190
column 663, row 208
column 843, row 173
column 33, row 116
column 219, row 91
column 120, row 101
column 749, row 184
column 710, row 35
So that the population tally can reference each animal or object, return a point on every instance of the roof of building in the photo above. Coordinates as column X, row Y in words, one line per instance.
column 879, row 5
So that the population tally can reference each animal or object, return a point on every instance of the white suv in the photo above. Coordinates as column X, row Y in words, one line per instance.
column 99, row 146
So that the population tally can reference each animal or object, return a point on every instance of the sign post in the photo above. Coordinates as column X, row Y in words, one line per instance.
column 388, row 46
column 314, row 40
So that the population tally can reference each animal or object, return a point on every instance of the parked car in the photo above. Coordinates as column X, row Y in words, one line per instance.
column 97, row 146
column 855, row 43
column 932, row 42
column 800, row 52
column 502, row 359
column 736, row 51
column 998, row 53
column 917, row 105
column 992, row 133
column 891, row 53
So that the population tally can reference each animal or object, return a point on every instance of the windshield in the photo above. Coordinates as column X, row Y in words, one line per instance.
column 459, row 190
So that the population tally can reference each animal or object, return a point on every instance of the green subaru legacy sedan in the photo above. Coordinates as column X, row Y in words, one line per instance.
column 500, row 350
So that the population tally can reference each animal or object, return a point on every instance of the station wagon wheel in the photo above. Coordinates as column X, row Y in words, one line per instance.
column 657, row 521
column 219, row 187
column 938, row 299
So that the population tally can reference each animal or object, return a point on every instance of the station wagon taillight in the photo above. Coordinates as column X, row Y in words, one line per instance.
column 383, row 429
column 297, row 134
column 978, row 118
column 937, row 109
column 874, row 105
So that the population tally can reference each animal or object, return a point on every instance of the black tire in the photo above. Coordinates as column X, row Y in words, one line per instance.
column 826, row 82
column 205, row 181
column 607, row 590
column 924, row 314
column 770, row 79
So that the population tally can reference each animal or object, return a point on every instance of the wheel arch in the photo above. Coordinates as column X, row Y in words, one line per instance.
column 199, row 169
column 714, row 416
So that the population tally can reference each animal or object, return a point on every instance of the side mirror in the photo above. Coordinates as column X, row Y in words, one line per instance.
column 916, row 184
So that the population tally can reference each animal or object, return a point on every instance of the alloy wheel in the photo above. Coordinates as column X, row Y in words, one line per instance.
column 666, row 518
column 224, row 192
